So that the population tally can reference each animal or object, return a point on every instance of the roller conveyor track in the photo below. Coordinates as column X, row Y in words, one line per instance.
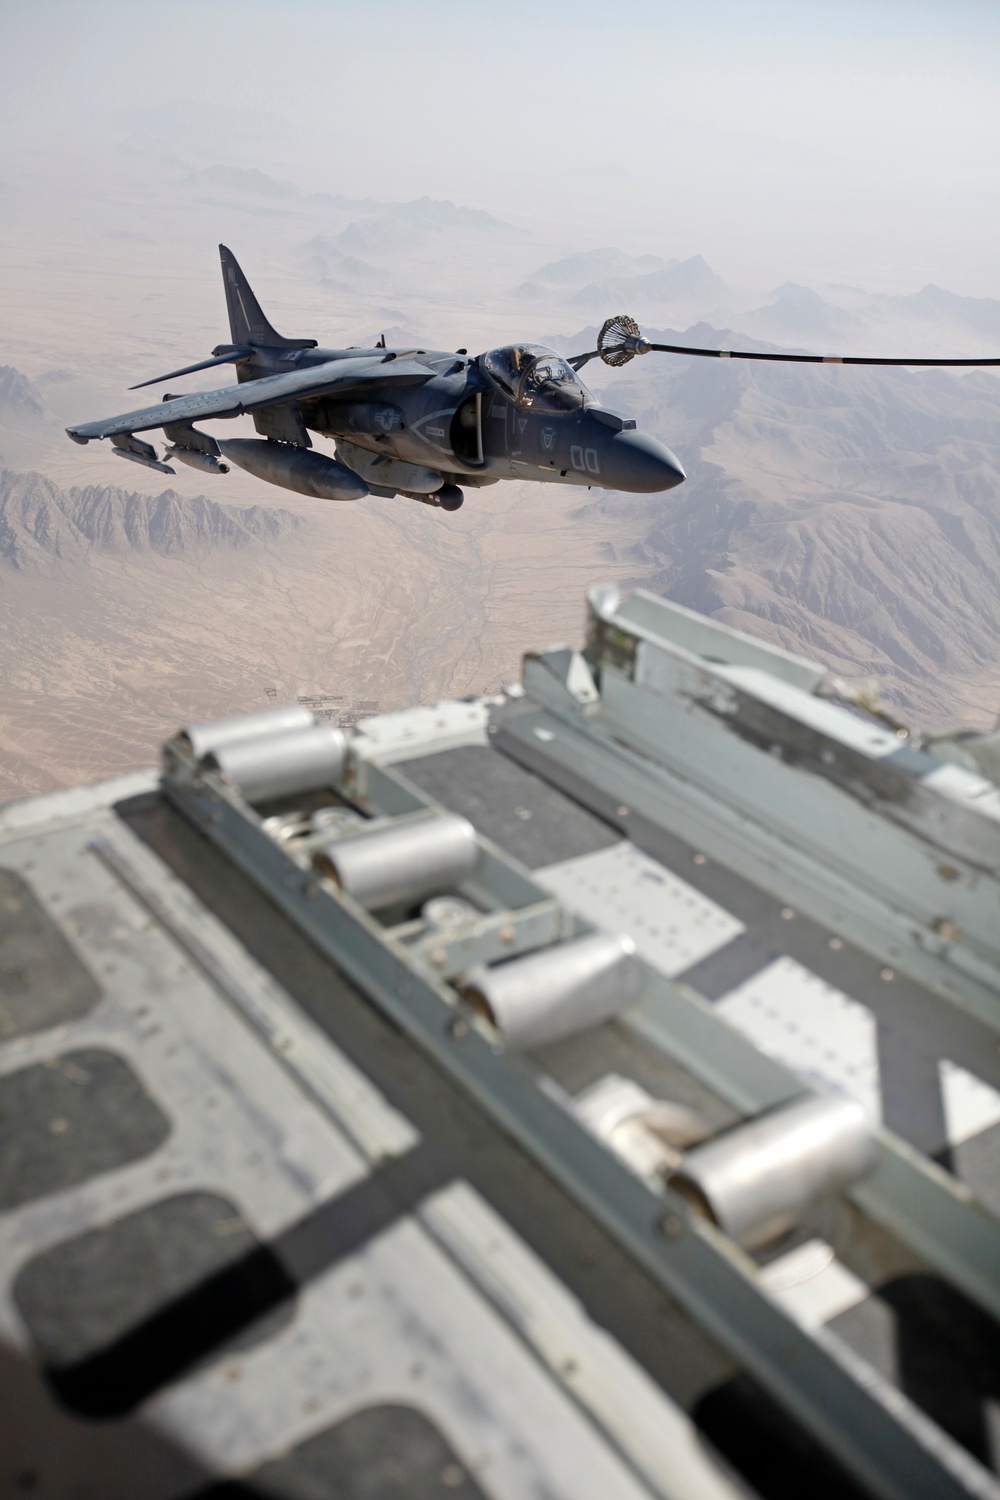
column 533, row 826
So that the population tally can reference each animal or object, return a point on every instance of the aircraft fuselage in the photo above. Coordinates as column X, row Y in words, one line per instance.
column 459, row 425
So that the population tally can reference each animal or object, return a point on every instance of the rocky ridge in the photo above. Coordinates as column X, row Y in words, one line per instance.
column 19, row 400
column 39, row 522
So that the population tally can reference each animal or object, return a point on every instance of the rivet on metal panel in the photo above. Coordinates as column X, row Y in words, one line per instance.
column 947, row 872
column 506, row 934
column 835, row 943
column 887, row 975
column 622, row 811
column 787, row 914
column 458, row 1027
column 492, row 729
column 672, row 1226
column 438, row 957
column 701, row 859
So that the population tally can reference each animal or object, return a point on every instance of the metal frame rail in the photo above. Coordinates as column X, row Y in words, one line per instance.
column 867, row 1423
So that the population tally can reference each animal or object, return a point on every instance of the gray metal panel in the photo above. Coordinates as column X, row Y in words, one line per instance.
column 535, row 823
column 618, row 774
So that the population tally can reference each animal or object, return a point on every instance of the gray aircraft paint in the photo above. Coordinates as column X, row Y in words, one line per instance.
column 401, row 405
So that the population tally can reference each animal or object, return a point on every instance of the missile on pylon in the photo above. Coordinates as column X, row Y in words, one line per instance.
column 299, row 469
column 195, row 460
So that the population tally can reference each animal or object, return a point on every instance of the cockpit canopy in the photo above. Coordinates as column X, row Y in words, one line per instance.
column 535, row 378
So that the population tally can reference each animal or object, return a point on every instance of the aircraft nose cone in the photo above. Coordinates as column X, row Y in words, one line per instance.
column 638, row 463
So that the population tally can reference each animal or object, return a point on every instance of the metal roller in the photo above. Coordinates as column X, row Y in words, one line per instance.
column 282, row 764
column 545, row 996
column 648, row 1134
column 402, row 863
column 217, row 732
column 756, row 1180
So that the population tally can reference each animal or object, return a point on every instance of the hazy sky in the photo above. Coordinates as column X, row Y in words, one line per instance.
column 819, row 139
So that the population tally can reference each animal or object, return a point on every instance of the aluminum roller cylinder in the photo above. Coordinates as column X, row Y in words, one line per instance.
column 282, row 764
column 217, row 732
column 403, row 863
column 543, row 997
column 757, row 1180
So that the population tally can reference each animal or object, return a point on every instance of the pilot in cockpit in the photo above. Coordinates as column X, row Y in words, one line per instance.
column 535, row 378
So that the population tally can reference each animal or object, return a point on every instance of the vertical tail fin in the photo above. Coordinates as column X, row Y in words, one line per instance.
column 247, row 322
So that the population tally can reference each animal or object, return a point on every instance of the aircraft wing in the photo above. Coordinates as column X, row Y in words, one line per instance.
column 341, row 375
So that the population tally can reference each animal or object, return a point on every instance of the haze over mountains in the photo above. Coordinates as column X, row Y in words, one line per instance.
column 834, row 320
column 852, row 515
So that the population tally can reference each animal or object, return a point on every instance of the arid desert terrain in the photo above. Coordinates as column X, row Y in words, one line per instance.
column 850, row 515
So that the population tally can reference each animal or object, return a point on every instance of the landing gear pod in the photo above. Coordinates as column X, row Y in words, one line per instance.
column 757, row 1180
column 543, row 997
column 403, row 863
column 299, row 469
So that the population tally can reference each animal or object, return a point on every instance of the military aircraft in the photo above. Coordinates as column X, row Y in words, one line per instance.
column 420, row 423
